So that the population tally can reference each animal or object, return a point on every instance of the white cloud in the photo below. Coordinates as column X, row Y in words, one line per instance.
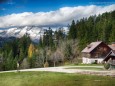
column 63, row 16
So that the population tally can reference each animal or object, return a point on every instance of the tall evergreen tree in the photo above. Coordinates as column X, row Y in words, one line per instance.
column 72, row 31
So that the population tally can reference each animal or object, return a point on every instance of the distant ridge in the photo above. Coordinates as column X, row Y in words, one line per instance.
column 33, row 31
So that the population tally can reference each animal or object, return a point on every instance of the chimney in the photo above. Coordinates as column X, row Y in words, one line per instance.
column 88, row 46
column 113, row 44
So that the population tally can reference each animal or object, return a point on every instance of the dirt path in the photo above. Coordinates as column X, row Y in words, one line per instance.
column 64, row 70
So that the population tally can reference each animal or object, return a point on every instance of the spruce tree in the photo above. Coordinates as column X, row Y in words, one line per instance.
column 72, row 31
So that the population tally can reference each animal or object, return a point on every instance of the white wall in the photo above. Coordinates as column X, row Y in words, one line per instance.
column 91, row 60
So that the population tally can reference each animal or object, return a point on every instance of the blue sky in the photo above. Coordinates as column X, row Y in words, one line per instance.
column 49, row 12
column 19, row 6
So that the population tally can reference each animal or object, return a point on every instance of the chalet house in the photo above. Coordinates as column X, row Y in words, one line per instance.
column 95, row 52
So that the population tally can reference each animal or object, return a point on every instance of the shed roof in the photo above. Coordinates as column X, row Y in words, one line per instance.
column 91, row 47
column 112, row 47
column 112, row 53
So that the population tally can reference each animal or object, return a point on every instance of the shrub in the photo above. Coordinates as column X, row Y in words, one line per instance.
column 46, row 64
column 24, row 64
column 94, row 62
column 107, row 66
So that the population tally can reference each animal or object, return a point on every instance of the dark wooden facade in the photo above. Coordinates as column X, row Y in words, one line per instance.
column 100, row 51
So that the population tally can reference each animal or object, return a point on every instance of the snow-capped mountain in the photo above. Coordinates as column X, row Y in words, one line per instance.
column 33, row 31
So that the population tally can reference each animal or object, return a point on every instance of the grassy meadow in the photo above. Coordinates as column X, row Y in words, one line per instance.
column 87, row 68
column 53, row 79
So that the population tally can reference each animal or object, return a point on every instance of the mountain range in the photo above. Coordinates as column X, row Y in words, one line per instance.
column 33, row 31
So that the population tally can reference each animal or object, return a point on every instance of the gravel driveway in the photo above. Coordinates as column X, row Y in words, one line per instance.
column 64, row 70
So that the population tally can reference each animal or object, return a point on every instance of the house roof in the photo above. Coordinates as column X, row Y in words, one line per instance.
column 112, row 47
column 91, row 46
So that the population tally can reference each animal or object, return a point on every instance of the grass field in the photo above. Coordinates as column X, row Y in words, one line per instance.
column 53, row 79
column 69, row 64
column 87, row 68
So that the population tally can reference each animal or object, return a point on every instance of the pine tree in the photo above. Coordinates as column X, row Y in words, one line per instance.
column 112, row 35
column 73, row 31
column 40, row 42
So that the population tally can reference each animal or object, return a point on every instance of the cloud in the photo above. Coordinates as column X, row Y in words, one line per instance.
column 62, row 16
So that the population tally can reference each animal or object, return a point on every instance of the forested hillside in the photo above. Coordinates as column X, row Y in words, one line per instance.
column 94, row 28
column 57, row 47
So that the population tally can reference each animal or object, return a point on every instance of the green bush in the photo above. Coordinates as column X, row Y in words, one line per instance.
column 107, row 66
column 94, row 62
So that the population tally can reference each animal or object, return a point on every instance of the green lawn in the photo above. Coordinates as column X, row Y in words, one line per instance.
column 87, row 68
column 75, row 64
column 53, row 79
column 83, row 64
column 90, row 64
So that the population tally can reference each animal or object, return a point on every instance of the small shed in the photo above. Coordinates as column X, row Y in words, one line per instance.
column 110, row 58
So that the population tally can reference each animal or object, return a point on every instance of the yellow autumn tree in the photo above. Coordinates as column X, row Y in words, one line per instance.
column 31, row 50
